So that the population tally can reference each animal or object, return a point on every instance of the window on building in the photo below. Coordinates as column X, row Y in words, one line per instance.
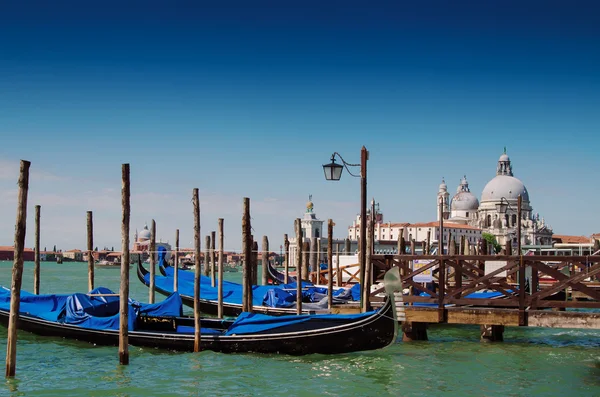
column 467, row 215
column 514, row 220
column 317, row 233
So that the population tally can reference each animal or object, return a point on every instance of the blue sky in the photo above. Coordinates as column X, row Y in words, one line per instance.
column 249, row 99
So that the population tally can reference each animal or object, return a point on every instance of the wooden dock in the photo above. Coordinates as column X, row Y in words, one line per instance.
column 552, row 285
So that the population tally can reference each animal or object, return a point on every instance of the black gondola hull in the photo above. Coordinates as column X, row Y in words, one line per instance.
column 327, row 337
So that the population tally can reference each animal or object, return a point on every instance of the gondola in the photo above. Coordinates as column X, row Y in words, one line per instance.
column 232, row 296
column 277, row 277
column 93, row 318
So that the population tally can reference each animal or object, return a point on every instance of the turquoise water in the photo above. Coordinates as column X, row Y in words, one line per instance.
column 541, row 362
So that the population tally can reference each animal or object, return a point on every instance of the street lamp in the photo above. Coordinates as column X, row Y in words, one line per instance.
column 333, row 172
column 503, row 206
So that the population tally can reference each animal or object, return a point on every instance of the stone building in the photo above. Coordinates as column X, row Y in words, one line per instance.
column 465, row 209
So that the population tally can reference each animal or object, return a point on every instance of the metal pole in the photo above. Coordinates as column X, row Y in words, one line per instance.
column 364, row 156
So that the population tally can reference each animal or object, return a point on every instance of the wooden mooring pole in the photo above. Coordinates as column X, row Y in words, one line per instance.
column 305, row 259
column 337, row 266
column 124, row 289
column 197, row 326
column 247, row 253
column 36, row 259
column 90, row 247
column 254, row 266
column 206, row 255
column 312, row 261
column 152, row 262
column 265, row 260
column 213, row 258
column 220, row 271
column 17, row 271
column 176, row 262
column 329, row 263
column 286, row 244
column 299, row 244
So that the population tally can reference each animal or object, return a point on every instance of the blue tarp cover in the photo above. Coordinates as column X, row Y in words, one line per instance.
column 281, row 296
column 93, row 312
column 250, row 323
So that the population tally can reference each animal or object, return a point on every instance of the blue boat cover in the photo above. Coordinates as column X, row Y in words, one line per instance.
column 251, row 323
column 93, row 312
column 281, row 296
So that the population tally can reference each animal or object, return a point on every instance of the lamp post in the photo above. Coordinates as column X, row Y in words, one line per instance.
column 502, row 206
column 333, row 172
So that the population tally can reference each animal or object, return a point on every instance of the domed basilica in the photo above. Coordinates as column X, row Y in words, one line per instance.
column 465, row 208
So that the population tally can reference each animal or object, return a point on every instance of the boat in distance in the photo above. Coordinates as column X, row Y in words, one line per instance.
column 94, row 318
column 281, row 300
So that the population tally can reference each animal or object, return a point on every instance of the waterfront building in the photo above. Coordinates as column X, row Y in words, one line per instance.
column 74, row 255
column 465, row 215
column 484, row 214
column 7, row 253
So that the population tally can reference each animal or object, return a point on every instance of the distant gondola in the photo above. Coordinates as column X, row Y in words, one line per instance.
column 231, row 306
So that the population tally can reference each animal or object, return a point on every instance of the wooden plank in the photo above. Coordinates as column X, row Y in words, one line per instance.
column 508, row 317
column 421, row 314
column 551, row 319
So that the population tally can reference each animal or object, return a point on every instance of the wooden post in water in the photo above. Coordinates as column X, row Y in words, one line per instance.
column 247, row 251
column 17, row 271
column 399, row 245
column 90, row 247
column 213, row 258
column 330, row 263
column 337, row 266
column 152, row 262
column 306, row 259
column 265, row 259
column 319, row 256
column 36, row 268
column 197, row 251
column 428, row 245
column 124, row 289
column 206, row 255
column 368, row 266
column 402, row 244
column 176, row 262
column 220, row 272
column 312, row 261
column 462, row 246
column 299, row 266
column 254, row 265
column 347, row 246
column 412, row 247
column 286, row 245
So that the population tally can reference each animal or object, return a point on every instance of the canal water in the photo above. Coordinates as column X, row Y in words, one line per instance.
column 530, row 362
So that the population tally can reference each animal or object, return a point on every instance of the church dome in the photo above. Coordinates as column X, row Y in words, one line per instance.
column 144, row 234
column 505, row 186
column 504, row 157
column 464, row 201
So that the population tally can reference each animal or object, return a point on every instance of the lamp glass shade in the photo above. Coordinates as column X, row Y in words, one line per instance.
column 502, row 207
column 333, row 171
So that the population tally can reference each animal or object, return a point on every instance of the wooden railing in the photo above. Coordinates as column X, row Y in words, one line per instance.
column 520, row 282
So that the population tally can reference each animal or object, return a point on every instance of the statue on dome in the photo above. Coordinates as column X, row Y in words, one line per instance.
column 309, row 205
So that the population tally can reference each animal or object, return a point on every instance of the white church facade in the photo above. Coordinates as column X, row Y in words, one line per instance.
column 465, row 208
